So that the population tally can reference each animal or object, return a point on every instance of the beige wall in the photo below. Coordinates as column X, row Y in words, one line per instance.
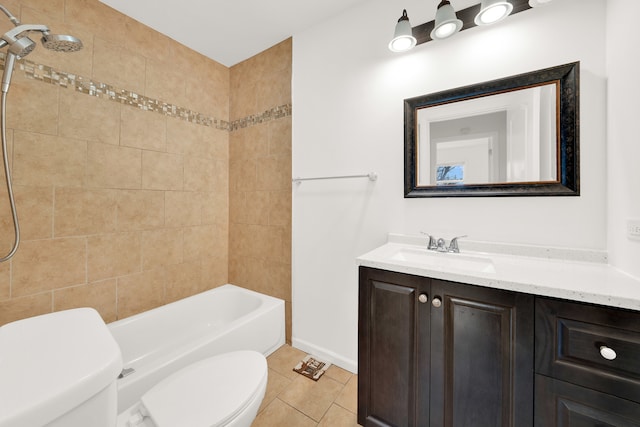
column 260, row 174
column 121, row 209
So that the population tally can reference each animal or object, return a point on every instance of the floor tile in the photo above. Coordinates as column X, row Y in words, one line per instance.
column 348, row 397
column 279, row 414
column 276, row 383
column 338, row 374
column 338, row 417
column 284, row 359
column 292, row 400
column 313, row 398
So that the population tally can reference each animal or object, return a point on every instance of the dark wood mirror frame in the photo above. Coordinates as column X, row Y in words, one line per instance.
column 568, row 126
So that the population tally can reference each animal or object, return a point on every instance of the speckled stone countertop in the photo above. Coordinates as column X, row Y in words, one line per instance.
column 578, row 275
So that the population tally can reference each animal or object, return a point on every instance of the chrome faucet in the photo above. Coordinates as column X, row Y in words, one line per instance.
column 453, row 245
column 440, row 245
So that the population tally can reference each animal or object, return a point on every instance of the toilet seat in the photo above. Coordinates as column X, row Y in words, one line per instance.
column 207, row 393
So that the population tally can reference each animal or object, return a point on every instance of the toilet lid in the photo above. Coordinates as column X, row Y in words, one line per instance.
column 207, row 393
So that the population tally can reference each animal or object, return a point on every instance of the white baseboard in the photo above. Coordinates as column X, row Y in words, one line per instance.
column 324, row 354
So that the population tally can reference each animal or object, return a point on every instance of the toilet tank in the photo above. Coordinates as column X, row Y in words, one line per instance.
column 59, row 369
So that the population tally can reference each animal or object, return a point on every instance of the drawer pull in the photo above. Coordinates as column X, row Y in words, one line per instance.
column 437, row 302
column 607, row 352
column 423, row 298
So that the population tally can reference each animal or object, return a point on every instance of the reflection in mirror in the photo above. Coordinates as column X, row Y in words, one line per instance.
column 514, row 136
column 509, row 137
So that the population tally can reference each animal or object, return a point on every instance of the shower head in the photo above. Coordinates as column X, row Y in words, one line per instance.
column 60, row 43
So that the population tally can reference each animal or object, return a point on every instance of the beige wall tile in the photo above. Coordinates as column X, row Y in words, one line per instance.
column 46, row 160
column 112, row 255
column 118, row 66
column 280, row 208
column 35, row 211
column 215, row 270
column 89, row 117
column 21, row 308
column 250, row 143
column 215, row 207
column 32, row 106
column 97, row 18
column 274, row 173
column 43, row 265
column 81, row 212
column 199, row 174
column 280, row 137
column 196, row 140
column 154, row 45
column 165, row 83
column 161, row 247
column 101, row 296
column 111, row 166
column 82, row 179
column 183, row 280
column 183, row 208
column 143, row 129
column 140, row 209
column 5, row 280
column 205, row 241
column 161, row 171
column 140, row 292
column 243, row 174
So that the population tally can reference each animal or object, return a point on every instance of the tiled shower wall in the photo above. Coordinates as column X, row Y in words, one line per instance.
column 260, row 174
column 120, row 160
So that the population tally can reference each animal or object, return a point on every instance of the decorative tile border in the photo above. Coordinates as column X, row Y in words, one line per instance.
column 84, row 85
column 254, row 119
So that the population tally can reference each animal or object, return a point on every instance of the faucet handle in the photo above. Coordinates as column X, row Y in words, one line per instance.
column 453, row 245
column 432, row 241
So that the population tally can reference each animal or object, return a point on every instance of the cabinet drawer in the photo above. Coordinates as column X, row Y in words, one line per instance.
column 560, row 404
column 593, row 346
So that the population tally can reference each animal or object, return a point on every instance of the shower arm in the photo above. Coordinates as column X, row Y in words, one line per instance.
column 12, row 35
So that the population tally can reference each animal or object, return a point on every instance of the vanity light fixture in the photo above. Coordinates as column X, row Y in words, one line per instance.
column 492, row 11
column 538, row 3
column 446, row 23
column 403, row 39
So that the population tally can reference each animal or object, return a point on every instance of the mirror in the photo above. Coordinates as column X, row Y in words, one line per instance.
column 516, row 136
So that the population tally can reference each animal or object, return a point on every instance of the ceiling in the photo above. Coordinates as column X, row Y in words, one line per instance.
column 230, row 31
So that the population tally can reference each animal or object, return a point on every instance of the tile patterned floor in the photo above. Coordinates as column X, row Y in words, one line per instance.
column 292, row 400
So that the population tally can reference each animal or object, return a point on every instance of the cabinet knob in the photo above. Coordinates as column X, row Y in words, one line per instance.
column 607, row 352
column 423, row 298
column 437, row 302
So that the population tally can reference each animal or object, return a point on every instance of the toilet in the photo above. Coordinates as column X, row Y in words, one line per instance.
column 60, row 370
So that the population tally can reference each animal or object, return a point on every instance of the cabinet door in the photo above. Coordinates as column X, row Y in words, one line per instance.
column 481, row 357
column 561, row 404
column 393, row 332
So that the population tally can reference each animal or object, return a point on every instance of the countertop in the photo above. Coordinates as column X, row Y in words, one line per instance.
column 582, row 276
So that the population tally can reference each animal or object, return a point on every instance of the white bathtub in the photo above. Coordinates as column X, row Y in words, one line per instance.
column 161, row 341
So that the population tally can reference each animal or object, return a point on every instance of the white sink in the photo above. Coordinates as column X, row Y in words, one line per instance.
column 445, row 260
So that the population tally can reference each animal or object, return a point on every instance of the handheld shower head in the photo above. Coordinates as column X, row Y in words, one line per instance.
column 22, row 46
column 60, row 43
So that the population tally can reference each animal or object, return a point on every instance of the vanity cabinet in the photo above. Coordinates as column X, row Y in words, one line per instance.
column 587, row 365
column 439, row 353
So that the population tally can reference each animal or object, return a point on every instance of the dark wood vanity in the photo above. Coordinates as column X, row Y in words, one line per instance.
column 440, row 353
